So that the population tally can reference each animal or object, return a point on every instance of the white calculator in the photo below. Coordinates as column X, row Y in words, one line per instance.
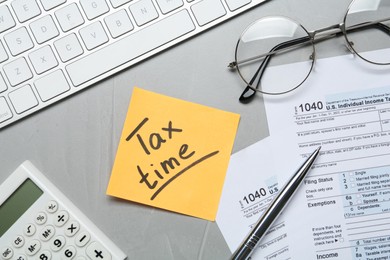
column 38, row 222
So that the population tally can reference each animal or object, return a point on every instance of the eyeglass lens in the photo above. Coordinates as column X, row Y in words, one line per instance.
column 369, row 36
column 290, row 43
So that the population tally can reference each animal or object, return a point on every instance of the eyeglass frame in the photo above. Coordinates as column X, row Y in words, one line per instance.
column 324, row 33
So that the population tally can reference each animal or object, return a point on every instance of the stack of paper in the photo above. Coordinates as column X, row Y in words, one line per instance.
column 342, row 210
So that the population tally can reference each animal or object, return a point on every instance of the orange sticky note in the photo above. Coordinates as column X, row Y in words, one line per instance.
column 173, row 154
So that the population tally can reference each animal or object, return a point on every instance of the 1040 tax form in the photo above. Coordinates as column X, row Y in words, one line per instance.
column 342, row 210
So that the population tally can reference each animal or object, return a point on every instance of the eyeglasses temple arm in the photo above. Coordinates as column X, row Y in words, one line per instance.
column 244, row 98
column 376, row 24
column 384, row 27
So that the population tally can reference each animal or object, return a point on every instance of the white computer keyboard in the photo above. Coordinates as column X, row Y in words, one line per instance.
column 50, row 49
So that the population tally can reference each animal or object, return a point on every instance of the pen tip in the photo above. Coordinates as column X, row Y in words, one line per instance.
column 317, row 151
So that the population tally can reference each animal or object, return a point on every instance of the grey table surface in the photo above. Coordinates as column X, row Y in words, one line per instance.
column 74, row 142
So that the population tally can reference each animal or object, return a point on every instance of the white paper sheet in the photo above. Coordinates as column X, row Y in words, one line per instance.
column 342, row 210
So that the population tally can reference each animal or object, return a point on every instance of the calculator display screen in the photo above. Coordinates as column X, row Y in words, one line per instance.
column 14, row 207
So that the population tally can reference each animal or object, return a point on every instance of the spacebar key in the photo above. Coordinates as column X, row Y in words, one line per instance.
column 130, row 47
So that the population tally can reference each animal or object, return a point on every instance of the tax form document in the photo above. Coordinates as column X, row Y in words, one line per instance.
column 250, row 185
column 342, row 210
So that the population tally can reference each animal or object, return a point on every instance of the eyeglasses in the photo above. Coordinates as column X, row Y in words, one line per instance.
column 279, row 40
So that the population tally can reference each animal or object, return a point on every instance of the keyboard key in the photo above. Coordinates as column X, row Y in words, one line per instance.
column 235, row 4
column 3, row 53
column 17, row 71
column 18, row 241
column 3, row 85
column 167, row 6
column 69, row 17
column 143, row 12
column 18, row 41
column 72, row 228
column 69, row 253
column 207, row 11
column 142, row 42
column 32, row 247
column 96, row 251
column 29, row 230
column 47, row 90
column 25, row 9
column 46, row 233
column 23, row 99
column 93, row 35
column 61, row 218
column 5, row 112
column 21, row 257
column 94, row 8
column 6, row 253
column 6, row 19
column 82, row 238
column 50, row 4
column 118, row 23
column 45, row 254
column 44, row 29
column 41, row 218
column 117, row 3
column 68, row 47
column 43, row 59
column 57, row 243
column 52, row 206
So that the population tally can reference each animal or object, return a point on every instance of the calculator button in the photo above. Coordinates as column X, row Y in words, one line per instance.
column 47, row 233
column 52, row 206
column 61, row 218
column 21, row 257
column 57, row 243
column 96, row 251
column 69, row 253
column 18, row 241
column 41, row 218
column 82, row 238
column 32, row 247
column 72, row 228
column 29, row 230
column 44, row 255
column 7, row 253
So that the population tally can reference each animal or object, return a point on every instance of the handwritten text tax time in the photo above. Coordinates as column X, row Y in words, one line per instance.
column 158, row 176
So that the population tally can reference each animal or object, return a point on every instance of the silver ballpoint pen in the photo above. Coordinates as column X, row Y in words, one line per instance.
column 249, row 244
